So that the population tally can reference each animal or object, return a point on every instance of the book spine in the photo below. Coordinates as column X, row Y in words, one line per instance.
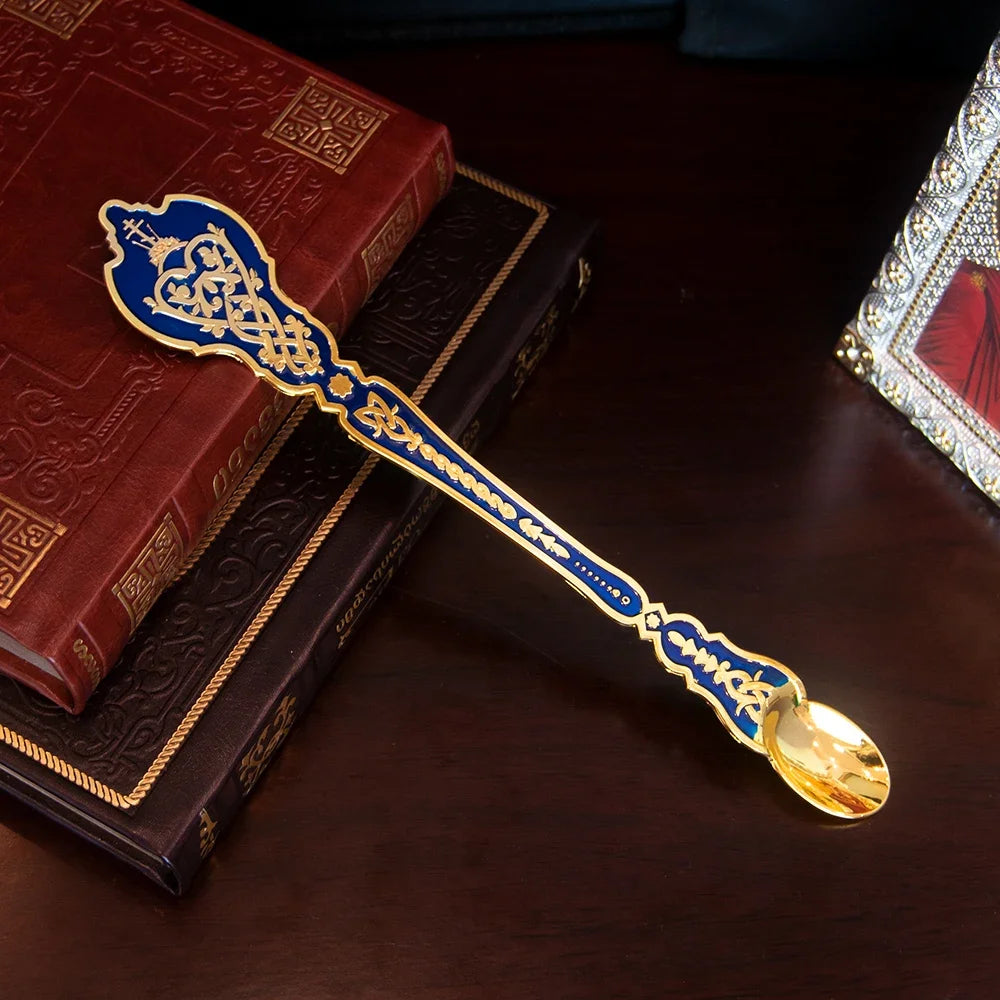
column 91, row 645
column 119, row 605
column 342, row 619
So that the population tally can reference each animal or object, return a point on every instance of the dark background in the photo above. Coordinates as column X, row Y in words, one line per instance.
column 923, row 35
column 499, row 794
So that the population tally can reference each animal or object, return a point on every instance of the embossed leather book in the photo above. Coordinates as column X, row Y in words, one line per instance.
column 171, row 744
column 115, row 456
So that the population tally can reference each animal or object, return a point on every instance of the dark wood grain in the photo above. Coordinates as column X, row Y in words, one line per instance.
column 500, row 794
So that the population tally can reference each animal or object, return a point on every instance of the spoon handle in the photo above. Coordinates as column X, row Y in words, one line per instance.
column 735, row 682
column 195, row 276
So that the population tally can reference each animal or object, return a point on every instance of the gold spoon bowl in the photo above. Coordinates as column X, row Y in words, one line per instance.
column 823, row 756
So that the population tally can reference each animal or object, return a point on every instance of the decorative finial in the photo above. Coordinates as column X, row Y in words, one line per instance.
column 142, row 234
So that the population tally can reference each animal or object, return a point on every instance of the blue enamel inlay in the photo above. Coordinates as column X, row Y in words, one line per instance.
column 192, row 272
column 739, row 682
column 605, row 584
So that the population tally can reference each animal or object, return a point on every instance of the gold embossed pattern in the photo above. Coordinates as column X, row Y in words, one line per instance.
column 155, row 567
column 382, row 418
column 389, row 240
column 327, row 125
column 271, row 737
column 208, row 833
column 25, row 538
column 61, row 17
column 89, row 661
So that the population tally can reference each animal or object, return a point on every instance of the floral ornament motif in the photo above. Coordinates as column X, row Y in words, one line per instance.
column 873, row 314
column 537, row 534
column 855, row 355
column 977, row 117
column 947, row 172
column 340, row 385
column 271, row 737
column 208, row 833
column 896, row 272
column 381, row 418
column 894, row 391
column 944, row 437
column 991, row 485
column 385, row 419
column 213, row 287
column 922, row 224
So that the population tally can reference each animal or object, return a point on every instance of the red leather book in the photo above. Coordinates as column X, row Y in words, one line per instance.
column 114, row 456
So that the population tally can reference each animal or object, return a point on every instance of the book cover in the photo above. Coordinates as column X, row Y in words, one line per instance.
column 165, row 753
column 114, row 456
column 927, row 333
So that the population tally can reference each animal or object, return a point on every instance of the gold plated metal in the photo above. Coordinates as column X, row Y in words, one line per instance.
column 824, row 756
column 201, row 280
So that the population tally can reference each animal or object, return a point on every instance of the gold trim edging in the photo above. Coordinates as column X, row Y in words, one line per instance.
column 977, row 425
column 224, row 671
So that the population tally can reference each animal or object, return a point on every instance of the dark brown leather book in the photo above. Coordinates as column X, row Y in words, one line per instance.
column 115, row 455
column 229, row 658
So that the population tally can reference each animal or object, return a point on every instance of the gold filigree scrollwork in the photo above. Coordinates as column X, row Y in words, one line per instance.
column 328, row 125
column 214, row 288
column 208, row 834
column 151, row 572
column 25, row 538
column 61, row 17
column 748, row 692
column 855, row 355
column 271, row 737
column 385, row 419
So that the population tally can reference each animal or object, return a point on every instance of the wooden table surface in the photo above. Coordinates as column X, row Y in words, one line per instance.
column 500, row 794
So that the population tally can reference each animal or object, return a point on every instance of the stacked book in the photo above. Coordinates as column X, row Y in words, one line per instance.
column 183, row 554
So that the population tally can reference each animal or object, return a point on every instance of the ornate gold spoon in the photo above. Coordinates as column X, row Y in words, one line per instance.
column 193, row 275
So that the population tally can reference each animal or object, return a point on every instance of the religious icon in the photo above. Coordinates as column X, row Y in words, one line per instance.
column 926, row 336
column 961, row 341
